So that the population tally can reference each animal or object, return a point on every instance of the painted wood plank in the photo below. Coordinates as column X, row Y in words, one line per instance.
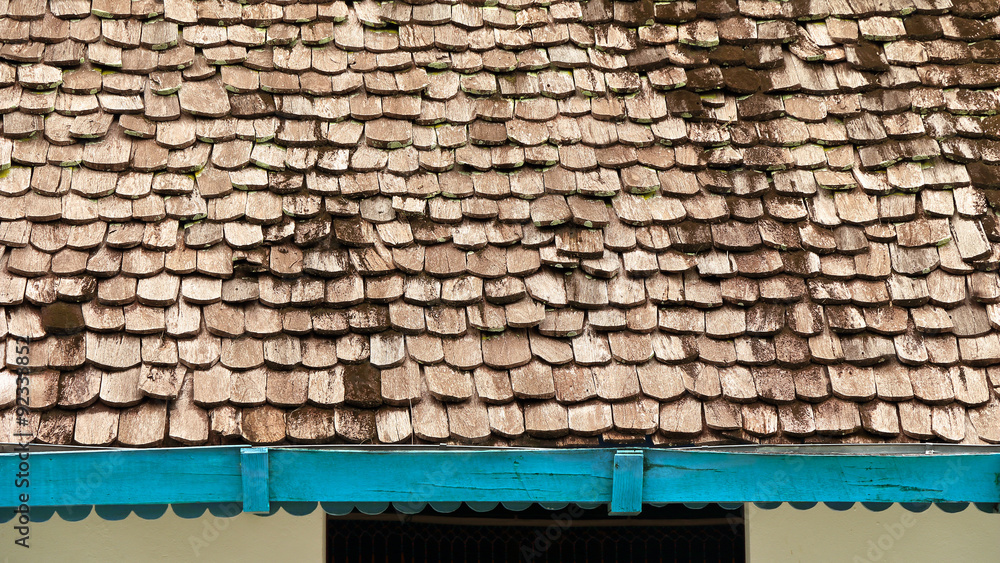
column 449, row 475
column 127, row 477
column 254, row 468
column 460, row 475
column 626, row 490
column 705, row 476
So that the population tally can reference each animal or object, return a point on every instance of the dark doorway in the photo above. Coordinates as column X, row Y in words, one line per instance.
column 670, row 533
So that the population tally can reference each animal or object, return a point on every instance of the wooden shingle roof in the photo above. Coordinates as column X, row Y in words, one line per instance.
column 512, row 222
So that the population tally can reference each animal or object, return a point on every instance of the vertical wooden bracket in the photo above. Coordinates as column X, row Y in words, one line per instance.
column 626, row 485
column 253, row 467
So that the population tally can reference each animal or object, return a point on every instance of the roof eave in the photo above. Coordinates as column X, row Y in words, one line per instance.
column 260, row 479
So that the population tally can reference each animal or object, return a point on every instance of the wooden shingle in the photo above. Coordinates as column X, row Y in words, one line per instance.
column 290, row 223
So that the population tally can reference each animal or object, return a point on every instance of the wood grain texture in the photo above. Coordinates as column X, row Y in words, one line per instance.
column 231, row 474
column 764, row 214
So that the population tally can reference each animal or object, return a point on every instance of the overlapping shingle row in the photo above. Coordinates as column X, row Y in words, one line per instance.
column 389, row 222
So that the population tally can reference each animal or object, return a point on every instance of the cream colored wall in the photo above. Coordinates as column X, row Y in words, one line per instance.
column 245, row 538
column 820, row 534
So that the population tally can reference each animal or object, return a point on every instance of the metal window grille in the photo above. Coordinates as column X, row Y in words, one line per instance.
column 669, row 534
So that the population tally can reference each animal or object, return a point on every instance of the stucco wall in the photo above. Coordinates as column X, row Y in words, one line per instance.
column 243, row 539
column 821, row 534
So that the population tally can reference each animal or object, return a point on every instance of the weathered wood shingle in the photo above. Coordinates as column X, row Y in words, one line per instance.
column 282, row 223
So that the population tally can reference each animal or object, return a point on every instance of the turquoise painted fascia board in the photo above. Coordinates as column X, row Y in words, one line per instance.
column 835, row 478
column 125, row 477
column 441, row 474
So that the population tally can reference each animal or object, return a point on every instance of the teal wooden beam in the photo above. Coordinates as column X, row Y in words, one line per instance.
column 708, row 476
column 442, row 475
column 127, row 477
column 254, row 470
column 260, row 479
column 626, row 486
